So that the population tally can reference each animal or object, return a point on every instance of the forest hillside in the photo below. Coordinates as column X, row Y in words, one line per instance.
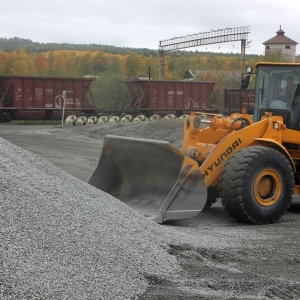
column 111, row 65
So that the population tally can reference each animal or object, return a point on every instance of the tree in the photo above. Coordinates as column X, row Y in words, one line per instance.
column 109, row 91
column 42, row 65
column 84, row 64
column 99, row 63
column 3, row 60
column 22, row 63
column 132, row 63
column 59, row 65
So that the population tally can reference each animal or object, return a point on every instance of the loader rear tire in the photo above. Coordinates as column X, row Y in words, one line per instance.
column 212, row 197
column 256, row 185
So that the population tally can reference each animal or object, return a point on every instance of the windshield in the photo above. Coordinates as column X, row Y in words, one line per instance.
column 278, row 88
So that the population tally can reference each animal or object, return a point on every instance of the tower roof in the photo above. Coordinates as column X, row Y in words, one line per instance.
column 280, row 38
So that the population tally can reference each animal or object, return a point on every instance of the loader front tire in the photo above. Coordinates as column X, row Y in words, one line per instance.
column 256, row 185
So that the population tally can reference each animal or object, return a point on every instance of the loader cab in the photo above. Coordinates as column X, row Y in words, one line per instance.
column 278, row 91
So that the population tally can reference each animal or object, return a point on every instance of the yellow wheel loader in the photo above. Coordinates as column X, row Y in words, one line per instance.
column 250, row 162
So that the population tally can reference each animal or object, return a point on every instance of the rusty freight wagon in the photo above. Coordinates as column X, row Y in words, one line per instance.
column 23, row 97
column 170, row 96
column 237, row 100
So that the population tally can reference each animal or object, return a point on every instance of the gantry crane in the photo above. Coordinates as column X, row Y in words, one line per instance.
column 201, row 39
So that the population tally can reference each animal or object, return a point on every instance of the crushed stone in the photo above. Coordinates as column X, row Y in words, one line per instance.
column 64, row 239
column 166, row 130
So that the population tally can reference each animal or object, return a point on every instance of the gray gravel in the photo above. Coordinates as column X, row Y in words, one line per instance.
column 166, row 130
column 219, row 258
column 63, row 239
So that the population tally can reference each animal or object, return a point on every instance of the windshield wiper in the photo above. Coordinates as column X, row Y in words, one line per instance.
column 263, row 95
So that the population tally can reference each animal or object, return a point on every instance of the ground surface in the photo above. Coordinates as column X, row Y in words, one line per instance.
column 220, row 258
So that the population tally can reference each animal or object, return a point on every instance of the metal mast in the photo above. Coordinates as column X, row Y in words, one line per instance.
column 201, row 39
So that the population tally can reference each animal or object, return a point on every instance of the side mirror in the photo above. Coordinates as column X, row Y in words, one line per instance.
column 249, row 69
column 245, row 81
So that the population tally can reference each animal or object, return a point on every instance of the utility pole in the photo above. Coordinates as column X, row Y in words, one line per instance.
column 161, row 67
column 243, row 51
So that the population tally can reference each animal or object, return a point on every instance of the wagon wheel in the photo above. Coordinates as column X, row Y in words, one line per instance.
column 256, row 185
column 6, row 117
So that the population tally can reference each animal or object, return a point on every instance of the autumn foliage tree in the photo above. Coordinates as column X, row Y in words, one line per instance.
column 132, row 64
column 111, row 69
column 21, row 63
column 80, row 63
column 42, row 65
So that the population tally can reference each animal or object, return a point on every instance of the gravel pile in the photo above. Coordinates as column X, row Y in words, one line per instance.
column 166, row 130
column 60, row 238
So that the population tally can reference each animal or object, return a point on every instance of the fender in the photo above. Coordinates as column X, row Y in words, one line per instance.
column 277, row 146
column 212, row 167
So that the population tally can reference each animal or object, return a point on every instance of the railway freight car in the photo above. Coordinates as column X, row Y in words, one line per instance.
column 42, row 97
column 170, row 96
column 237, row 100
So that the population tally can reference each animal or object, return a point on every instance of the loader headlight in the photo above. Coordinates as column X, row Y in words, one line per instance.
column 192, row 153
column 276, row 126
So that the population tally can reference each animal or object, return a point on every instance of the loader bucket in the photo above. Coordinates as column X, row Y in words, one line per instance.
column 150, row 176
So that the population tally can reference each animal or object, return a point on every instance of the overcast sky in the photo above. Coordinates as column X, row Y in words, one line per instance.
column 142, row 23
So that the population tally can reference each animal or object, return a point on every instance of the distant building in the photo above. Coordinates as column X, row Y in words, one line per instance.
column 281, row 45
